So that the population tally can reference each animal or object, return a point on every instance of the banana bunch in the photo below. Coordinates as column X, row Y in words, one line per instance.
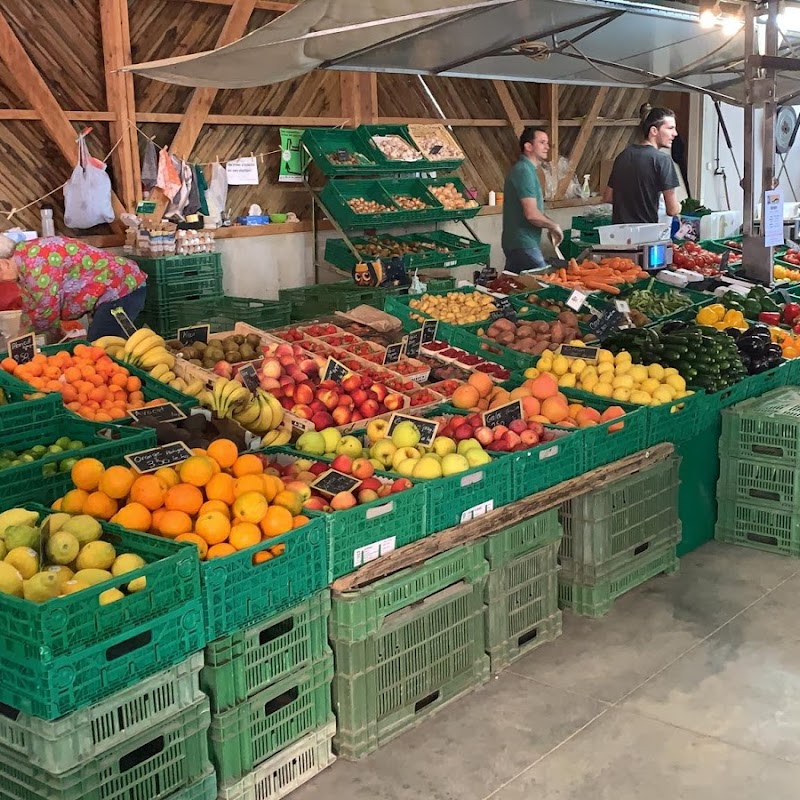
column 263, row 416
column 148, row 351
column 225, row 398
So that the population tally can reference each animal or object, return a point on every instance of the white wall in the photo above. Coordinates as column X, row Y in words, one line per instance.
column 712, row 189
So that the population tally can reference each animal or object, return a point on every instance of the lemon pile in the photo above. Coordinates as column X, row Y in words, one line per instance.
column 614, row 376
column 457, row 308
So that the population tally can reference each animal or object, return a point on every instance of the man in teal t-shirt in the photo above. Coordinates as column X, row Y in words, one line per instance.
column 523, row 206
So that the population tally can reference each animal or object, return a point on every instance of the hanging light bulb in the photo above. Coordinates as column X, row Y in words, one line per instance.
column 709, row 12
column 731, row 25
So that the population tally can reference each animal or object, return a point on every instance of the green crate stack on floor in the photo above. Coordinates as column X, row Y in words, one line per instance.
column 618, row 537
column 522, row 588
column 102, row 701
column 405, row 646
column 269, row 685
column 758, row 493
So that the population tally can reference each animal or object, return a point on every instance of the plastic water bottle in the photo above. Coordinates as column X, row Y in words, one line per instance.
column 586, row 190
column 492, row 198
column 48, row 226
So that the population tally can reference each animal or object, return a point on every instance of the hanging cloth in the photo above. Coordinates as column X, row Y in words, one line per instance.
column 178, row 205
column 217, row 195
column 169, row 180
column 202, row 188
column 150, row 166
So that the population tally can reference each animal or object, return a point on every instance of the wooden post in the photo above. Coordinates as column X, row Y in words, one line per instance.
column 120, row 99
column 37, row 93
column 507, row 101
column 548, row 101
column 587, row 126
column 359, row 92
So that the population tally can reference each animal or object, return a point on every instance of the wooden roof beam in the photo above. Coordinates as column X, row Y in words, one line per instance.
column 507, row 101
column 262, row 5
column 37, row 93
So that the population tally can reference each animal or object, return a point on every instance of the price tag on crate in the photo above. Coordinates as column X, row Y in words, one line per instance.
column 429, row 329
column 503, row 415
column 436, row 149
column 451, row 263
column 576, row 300
column 586, row 353
column 335, row 371
column 477, row 511
column 124, row 322
column 724, row 261
column 604, row 325
column 23, row 348
column 342, row 155
column 157, row 457
column 166, row 412
column 393, row 353
column 195, row 333
column 427, row 428
column 332, row 482
column 249, row 377
column 413, row 341
column 622, row 306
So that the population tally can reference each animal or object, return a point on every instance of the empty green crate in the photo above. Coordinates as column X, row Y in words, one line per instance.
column 405, row 645
column 522, row 537
column 165, row 297
column 154, row 765
column 242, row 664
column 205, row 789
column 522, row 605
column 247, row 735
column 611, row 528
column 238, row 592
column 749, row 480
column 596, row 600
column 45, row 480
column 222, row 313
column 288, row 770
column 762, row 527
column 766, row 427
column 174, row 270
column 18, row 412
column 65, row 743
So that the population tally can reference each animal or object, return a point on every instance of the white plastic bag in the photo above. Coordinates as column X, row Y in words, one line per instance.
column 87, row 195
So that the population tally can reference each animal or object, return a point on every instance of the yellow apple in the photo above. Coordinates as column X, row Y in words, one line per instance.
column 477, row 457
column 406, row 434
column 454, row 463
column 443, row 445
column 403, row 453
column 427, row 467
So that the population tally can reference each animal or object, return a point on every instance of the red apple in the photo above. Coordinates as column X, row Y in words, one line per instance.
column 511, row 439
column 537, row 428
column 518, row 426
column 393, row 401
column 317, row 405
column 315, row 503
column 361, row 468
column 529, row 438
column 342, row 415
column 301, row 488
column 369, row 408
column 475, row 420
column 322, row 420
column 499, row 431
column 342, row 463
column 368, row 483
column 484, row 435
column 318, row 468
column 343, row 501
column 367, row 496
column 401, row 484
column 462, row 432
column 385, row 490
column 303, row 411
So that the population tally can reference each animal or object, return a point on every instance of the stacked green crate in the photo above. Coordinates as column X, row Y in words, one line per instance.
column 758, row 494
column 405, row 646
column 270, row 691
column 174, row 280
column 619, row 536
column 522, row 588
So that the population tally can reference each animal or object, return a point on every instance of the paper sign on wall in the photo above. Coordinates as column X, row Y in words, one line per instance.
column 242, row 171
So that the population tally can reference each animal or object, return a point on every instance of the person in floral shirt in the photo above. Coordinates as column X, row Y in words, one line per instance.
column 64, row 279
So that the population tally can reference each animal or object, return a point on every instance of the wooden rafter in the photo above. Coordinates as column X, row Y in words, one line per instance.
column 359, row 92
column 37, row 93
column 548, row 106
column 263, row 5
column 507, row 101
column 589, row 122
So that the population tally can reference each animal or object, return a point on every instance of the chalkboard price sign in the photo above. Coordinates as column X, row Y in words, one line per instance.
column 604, row 325
column 503, row 308
column 166, row 412
column 427, row 428
column 429, row 329
column 586, row 353
column 124, row 322
column 342, row 155
column 249, row 377
column 723, row 264
column 196, row 333
column 332, row 482
column 23, row 348
column 335, row 371
column 157, row 457
column 503, row 415
column 785, row 296
column 393, row 353
column 413, row 341
column 436, row 149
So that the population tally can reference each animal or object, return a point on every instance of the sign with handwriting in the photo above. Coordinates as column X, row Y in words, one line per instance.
column 332, row 482
column 195, row 333
column 427, row 428
column 249, row 377
column 23, row 348
column 165, row 412
column 503, row 415
column 167, row 455
column 335, row 371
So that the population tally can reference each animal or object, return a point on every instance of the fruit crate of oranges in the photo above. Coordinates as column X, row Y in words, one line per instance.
column 126, row 586
column 248, row 661
column 36, row 458
column 91, row 383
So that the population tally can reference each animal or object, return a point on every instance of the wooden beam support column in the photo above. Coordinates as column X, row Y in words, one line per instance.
column 507, row 101
column 37, row 93
column 587, row 126
column 120, row 99
column 548, row 108
column 359, row 92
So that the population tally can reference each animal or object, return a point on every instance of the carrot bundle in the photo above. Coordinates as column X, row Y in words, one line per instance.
column 602, row 277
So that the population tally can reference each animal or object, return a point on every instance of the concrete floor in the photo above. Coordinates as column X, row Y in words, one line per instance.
column 688, row 688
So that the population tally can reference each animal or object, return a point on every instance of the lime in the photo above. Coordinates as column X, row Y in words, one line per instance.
column 54, row 448
column 76, row 445
column 63, row 442
column 67, row 464
column 26, row 458
column 38, row 450
column 49, row 469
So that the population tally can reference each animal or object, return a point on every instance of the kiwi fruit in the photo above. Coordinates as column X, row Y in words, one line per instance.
column 247, row 353
column 253, row 339
column 199, row 346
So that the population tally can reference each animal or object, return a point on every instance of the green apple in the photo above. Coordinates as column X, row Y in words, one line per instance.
column 443, row 445
column 467, row 444
column 406, row 434
column 311, row 442
column 349, row 446
column 427, row 467
column 383, row 451
column 454, row 463
column 332, row 438
column 477, row 457
column 402, row 453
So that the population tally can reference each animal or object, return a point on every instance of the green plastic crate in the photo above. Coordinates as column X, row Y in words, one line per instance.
column 222, row 313
column 602, row 445
column 464, row 250
column 237, row 592
column 609, row 529
column 750, row 480
column 405, row 646
column 758, row 525
column 388, row 164
column 163, row 298
column 416, row 189
column 288, row 770
column 205, row 789
column 458, row 336
column 43, row 480
column 522, row 537
column 173, row 271
column 681, row 420
column 596, row 600
column 155, row 765
column 696, row 299
column 322, row 142
column 308, row 302
column 18, row 412
column 766, row 427
column 247, row 735
column 400, row 307
column 335, row 195
column 522, row 605
column 455, row 213
column 242, row 664
column 65, row 743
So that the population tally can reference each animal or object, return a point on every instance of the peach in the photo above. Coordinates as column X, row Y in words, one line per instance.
column 465, row 396
column 613, row 412
column 587, row 416
column 574, row 409
column 554, row 409
column 482, row 382
column 519, row 393
column 544, row 386
column 530, row 406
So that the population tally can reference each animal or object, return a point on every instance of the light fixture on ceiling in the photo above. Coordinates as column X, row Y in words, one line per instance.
column 709, row 13
column 732, row 24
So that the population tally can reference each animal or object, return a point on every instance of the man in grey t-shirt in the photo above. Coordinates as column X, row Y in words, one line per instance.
column 642, row 172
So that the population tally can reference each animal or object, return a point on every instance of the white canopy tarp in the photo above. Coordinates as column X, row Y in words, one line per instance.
column 656, row 44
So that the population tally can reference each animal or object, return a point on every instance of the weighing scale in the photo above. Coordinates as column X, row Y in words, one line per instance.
column 648, row 255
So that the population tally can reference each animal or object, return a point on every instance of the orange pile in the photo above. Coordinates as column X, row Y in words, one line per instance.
column 90, row 382
column 219, row 500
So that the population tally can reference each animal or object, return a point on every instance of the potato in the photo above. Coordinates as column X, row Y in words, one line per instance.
column 524, row 331
column 569, row 319
column 505, row 324
column 525, row 344
column 506, row 338
column 540, row 326
column 539, row 348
